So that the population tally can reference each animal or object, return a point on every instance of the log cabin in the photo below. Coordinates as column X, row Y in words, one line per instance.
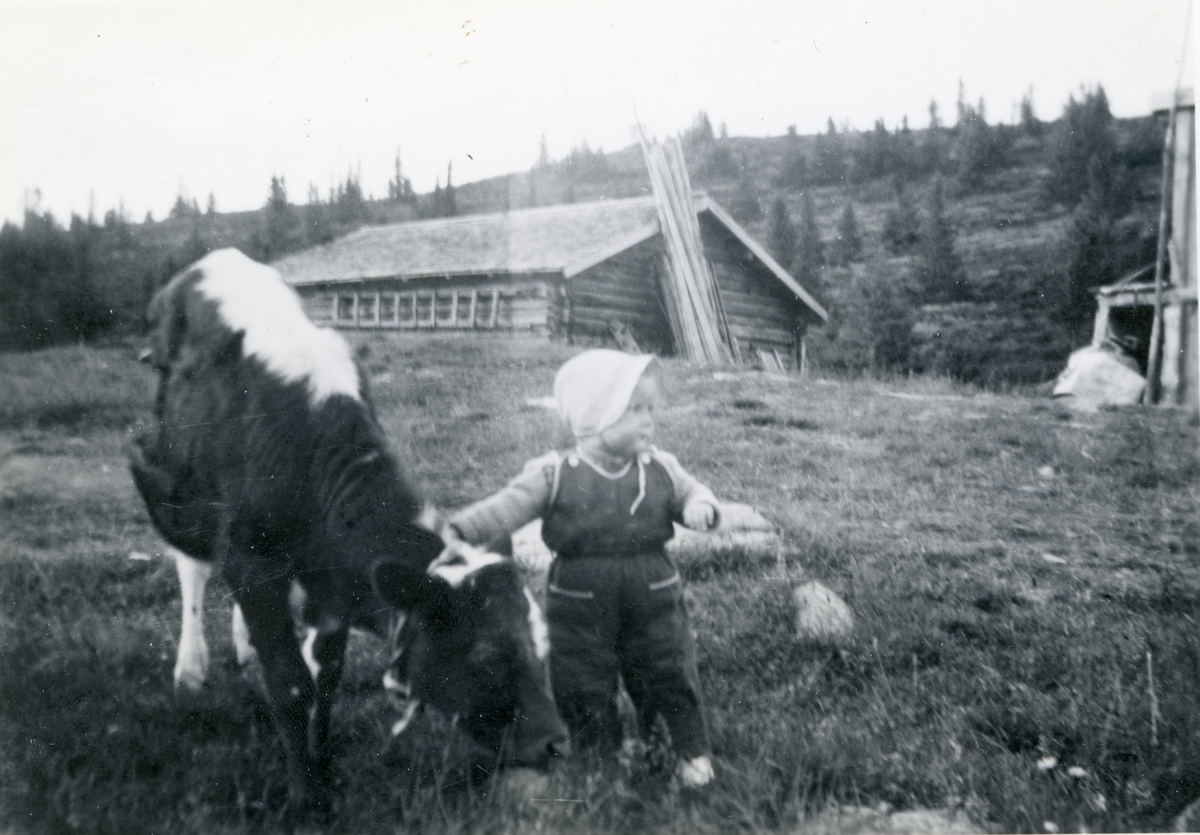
column 579, row 272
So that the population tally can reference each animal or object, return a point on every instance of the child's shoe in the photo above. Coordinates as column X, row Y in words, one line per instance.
column 696, row 772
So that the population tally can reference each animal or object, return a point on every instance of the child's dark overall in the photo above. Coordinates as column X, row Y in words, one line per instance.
column 615, row 606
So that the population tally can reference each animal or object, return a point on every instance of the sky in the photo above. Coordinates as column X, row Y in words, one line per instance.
column 119, row 104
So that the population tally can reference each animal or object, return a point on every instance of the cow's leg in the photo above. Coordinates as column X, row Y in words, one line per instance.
column 324, row 652
column 290, row 687
column 191, row 662
column 241, row 638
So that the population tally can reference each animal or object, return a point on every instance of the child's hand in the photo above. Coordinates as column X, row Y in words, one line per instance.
column 699, row 516
column 450, row 534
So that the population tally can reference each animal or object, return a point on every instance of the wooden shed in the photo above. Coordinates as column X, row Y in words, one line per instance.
column 1126, row 310
column 568, row 271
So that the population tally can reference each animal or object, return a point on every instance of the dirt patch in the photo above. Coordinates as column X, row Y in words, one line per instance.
column 63, row 478
column 861, row 819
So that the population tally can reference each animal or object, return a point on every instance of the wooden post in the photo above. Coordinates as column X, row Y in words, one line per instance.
column 454, row 308
column 474, row 300
column 495, row 307
column 1154, row 361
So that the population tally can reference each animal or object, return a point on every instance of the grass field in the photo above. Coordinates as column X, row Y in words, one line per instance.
column 1025, row 580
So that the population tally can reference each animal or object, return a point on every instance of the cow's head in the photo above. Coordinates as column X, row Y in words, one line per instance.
column 475, row 647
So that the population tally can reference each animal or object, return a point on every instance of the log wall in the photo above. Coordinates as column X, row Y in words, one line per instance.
column 626, row 288
column 761, row 312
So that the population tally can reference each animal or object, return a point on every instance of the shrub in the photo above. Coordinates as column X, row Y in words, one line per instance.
column 1084, row 132
column 939, row 269
column 847, row 246
column 901, row 225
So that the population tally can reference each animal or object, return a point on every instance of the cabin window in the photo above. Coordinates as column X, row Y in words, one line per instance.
column 448, row 309
column 347, row 305
column 406, row 310
column 368, row 309
column 387, row 309
column 424, row 310
column 444, row 309
column 485, row 307
column 466, row 309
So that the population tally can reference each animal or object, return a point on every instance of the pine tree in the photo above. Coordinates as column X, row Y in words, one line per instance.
column 781, row 234
column 80, row 311
column 810, row 247
column 437, row 206
column 886, row 318
column 906, row 160
column 829, row 156
column 46, row 294
column 196, row 246
column 810, row 251
column 281, row 232
column 318, row 219
column 183, row 208
column 349, row 206
column 1030, row 124
column 746, row 206
column 400, row 188
column 939, row 269
column 449, row 203
column 875, row 157
column 1084, row 131
column 936, row 150
column 977, row 149
column 1091, row 259
column 793, row 173
column 901, row 225
column 700, row 134
column 847, row 246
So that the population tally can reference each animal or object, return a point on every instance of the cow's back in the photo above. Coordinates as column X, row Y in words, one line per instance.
column 253, row 401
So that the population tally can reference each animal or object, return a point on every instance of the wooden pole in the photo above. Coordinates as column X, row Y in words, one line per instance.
column 1154, row 361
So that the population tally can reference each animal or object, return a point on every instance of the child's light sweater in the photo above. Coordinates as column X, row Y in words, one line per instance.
column 532, row 494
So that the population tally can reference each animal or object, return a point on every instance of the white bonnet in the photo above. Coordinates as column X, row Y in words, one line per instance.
column 592, row 389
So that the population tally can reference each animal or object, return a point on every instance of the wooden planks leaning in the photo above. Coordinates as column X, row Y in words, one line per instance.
column 689, row 290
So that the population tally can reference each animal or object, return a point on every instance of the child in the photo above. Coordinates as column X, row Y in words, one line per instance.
column 614, row 602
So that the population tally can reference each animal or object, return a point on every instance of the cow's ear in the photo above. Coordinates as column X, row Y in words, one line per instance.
column 399, row 584
column 167, row 319
column 406, row 587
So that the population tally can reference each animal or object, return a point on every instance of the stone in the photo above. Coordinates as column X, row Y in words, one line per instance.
column 821, row 615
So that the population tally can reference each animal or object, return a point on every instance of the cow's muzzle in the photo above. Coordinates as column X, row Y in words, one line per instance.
column 542, row 751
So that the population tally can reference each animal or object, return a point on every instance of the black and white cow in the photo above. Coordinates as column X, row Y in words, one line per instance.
column 267, row 463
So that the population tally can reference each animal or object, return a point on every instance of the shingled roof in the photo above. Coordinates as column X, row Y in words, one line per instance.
column 565, row 239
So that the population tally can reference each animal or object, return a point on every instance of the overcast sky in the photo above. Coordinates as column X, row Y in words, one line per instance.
column 135, row 102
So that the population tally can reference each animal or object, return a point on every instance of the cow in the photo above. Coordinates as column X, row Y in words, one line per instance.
column 265, row 462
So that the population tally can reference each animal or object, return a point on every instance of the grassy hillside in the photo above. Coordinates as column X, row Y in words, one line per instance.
column 1024, row 579
column 1011, row 237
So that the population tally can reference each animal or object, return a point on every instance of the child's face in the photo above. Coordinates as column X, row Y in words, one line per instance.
column 633, row 433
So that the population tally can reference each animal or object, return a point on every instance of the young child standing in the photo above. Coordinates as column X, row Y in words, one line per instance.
column 615, row 599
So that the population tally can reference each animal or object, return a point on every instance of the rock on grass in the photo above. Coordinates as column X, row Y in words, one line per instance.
column 821, row 616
